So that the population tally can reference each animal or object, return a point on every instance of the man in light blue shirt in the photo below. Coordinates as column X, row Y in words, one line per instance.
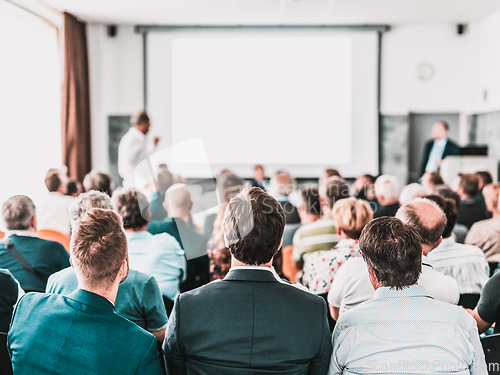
column 437, row 148
column 402, row 330
column 158, row 255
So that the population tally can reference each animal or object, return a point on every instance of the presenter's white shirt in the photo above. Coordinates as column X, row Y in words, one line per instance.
column 53, row 213
column 132, row 150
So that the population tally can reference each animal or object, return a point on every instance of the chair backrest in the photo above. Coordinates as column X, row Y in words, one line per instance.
column 2, row 234
column 469, row 301
column 290, row 269
column 491, row 345
column 53, row 235
column 331, row 322
column 5, row 364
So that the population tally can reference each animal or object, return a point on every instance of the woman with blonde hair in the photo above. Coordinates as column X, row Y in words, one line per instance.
column 320, row 267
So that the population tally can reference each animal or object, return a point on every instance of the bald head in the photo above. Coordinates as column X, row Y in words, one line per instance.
column 429, row 219
column 178, row 202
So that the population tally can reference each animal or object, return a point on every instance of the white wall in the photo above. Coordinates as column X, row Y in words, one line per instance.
column 116, row 86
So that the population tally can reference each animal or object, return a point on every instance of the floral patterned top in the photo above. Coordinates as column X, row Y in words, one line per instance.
column 321, row 267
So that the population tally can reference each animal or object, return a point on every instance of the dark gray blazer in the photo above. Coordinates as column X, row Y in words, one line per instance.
column 248, row 323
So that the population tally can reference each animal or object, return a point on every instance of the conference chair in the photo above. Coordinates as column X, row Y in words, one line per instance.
column 53, row 235
column 491, row 345
column 5, row 364
column 2, row 234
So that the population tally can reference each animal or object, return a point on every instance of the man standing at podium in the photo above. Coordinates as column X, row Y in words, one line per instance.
column 437, row 148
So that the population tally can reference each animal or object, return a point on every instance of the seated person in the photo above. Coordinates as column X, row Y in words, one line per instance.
column 352, row 286
column 459, row 230
column 259, row 178
column 487, row 310
column 485, row 234
column 139, row 298
column 281, row 186
column 321, row 234
column 250, row 322
column 387, row 194
column 465, row 263
column 81, row 333
column 430, row 180
column 470, row 211
column 410, row 192
column 364, row 188
column 99, row 181
column 165, row 179
column 29, row 259
column 158, row 255
column 484, row 178
column 9, row 295
column 320, row 267
column 402, row 329
column 53, row 212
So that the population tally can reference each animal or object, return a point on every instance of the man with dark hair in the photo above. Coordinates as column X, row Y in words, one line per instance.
column 436, row 149
column 251, row 321
column 30, row 259
column 259, row 178
column 52, row 212
column 321, row 234
column 465, row 263
column 139, row 298
column 402, row 329
column 471, row 210
column 81, row 333
column 459, row 230
column 133, row 147
column 484, row 178
column 364, row 188
column 431, row 179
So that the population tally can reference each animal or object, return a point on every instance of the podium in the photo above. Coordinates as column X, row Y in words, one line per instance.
column 451, row 166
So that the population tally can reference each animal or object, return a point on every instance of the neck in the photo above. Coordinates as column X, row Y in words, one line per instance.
column 386, row 201
column 495, row 214
column 236, row 263
column 108, row 293
column 142, row 229
column 342, row 235
column 181, row 216
column 308, row 218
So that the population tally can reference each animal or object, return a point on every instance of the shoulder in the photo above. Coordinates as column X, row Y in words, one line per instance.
column 7, row 280
column 165, row 238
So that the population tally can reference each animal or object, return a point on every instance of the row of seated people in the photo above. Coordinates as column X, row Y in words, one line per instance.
column 251, row 321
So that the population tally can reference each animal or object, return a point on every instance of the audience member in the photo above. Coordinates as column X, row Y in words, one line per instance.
column 139, row 298
column 99, row 181
column 402, row 329
column 329, row 172
column 158, row 255
column 430, row 180
column 280, row 187
column 320, row 267
column 459, row 230
column 364, row 188
column 164, row 180
column 465, row 263
column 81, row 333
column 178, row 205
column 410, row 192
column 259, row 178
column 250, row 322
column 53, row 212
column 484, row 178
column 352, row 286
column 73, row 188
column 321, row 234
column 387, row 193
column 487, row 311
column 9, row 295
column 437, row 148
column 470, row 211
column 30, row 259
column 485, row 234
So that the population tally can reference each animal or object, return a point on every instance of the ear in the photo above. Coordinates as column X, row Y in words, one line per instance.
column 33, row 223
column 438, row 242
column 373, row 278
column 191, row 206
column 302, row 208
column 71, row 261
column 164, row 204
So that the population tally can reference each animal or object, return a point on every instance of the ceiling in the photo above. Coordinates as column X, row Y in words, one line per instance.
column 276, row 12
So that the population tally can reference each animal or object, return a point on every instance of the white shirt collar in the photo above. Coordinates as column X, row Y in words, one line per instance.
column 26, row 233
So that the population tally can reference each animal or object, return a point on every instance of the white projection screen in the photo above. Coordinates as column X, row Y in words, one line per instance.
column 294, row 100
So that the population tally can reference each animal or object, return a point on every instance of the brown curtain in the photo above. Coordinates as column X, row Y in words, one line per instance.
column 76, row 100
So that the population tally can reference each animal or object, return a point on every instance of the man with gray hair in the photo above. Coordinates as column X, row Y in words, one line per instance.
column 139, row 298
column 30, row 259
column 387, row 194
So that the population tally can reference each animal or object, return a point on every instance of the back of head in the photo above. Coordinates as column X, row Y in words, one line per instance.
column 490, row 194
column 445, row 192
column 282, row 184
column 165, row 179
column 330, row 172
column 253, row 224
column 53, row 180
column 99, row 181
column 139, row 118
column 333, row 189
column 410, row 192
column 427, row 216
column 450, row 210
column 469, row 183
column 178, row 201
column 484, row 178
column 17, row 212
column 87, row 201
column 310, row 199
column 387, row 186
column 98, row 247
column 393, row 251
column 351, row 215
column 128, row 204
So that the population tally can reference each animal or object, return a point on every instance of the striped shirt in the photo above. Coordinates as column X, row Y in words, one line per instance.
column 465, row 263
column 316, row 236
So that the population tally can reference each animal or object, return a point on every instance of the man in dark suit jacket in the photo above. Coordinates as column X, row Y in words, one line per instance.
column 44, row 257
column 437, row 148
column 81, row 333
column 250, row 322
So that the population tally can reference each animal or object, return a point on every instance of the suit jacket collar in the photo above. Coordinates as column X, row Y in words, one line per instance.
column 91, row 299
column 250, row 275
